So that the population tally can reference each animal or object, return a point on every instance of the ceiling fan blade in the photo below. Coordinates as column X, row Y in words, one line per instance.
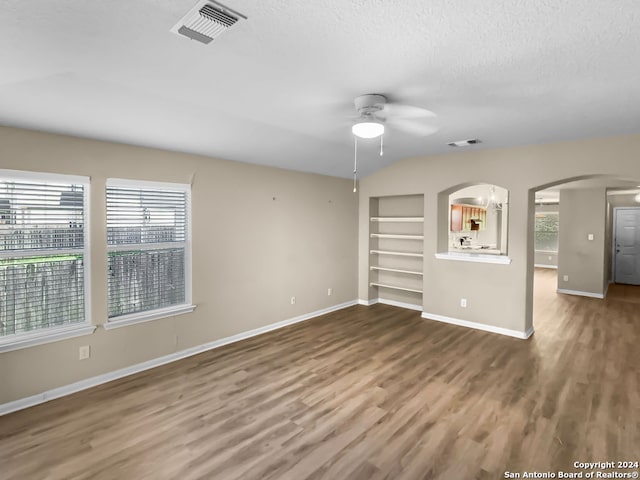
column 406, row 111
column 412, row 127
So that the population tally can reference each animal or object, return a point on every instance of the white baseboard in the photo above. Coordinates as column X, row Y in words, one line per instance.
column 479, row 326
column 540, row 265
column 393, row 303
column 582, row 294
column 368, row 303
column 156, row 362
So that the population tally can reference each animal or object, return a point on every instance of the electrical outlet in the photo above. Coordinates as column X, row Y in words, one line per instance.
column 329, row 291
column 565, row 278
column 550, row 257
column 590, row 236
column 463, row 302
column 84, row 352
column 293, row 300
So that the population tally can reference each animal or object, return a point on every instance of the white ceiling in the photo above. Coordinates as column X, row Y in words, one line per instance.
column 277, row 89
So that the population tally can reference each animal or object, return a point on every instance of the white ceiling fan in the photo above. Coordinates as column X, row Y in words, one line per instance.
column 375, row 113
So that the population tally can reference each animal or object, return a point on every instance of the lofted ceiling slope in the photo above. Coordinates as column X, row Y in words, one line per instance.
column 277, row 89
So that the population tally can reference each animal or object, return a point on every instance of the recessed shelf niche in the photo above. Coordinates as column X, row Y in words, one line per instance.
column 396, row 242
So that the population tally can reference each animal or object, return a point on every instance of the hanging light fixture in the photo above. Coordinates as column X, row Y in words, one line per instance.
column 492, row 202
column 368, row 128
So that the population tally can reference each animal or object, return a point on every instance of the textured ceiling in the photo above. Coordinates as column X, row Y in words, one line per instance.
column 277, row 89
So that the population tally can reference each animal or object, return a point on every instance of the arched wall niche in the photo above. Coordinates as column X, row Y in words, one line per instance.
column 473, row 219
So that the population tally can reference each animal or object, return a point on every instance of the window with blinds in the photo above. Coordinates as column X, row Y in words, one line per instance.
column 148, row 246
column 42, row 252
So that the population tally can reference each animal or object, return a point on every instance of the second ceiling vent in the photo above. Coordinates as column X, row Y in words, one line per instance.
column 206, row 21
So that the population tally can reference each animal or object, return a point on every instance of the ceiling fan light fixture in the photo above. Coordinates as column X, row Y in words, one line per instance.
column 368, row 129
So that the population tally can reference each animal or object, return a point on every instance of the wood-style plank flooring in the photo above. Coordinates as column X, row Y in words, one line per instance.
column 363, row 393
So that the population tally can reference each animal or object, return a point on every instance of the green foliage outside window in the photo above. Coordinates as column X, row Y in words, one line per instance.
column 546, row 231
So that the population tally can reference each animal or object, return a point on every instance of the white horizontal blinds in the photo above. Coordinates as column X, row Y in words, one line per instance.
column 147, row 230
column 42, row 283
column 145, row 216
column 40, row 216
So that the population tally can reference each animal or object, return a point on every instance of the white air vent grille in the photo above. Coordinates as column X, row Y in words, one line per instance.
column 217, row 16
column 464, row 143
column 206, row 21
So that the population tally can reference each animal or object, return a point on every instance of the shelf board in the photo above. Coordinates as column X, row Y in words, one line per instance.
column 400, row 254
column 474, row 257
column 405, row 289
column 385, row 269
column 397, row 235
column 398, row 219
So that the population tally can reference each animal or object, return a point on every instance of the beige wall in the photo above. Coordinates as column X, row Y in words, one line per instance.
column 498, row 295
column 582, row 212
column 546, row 259
column 626, row 200
column 260, row 236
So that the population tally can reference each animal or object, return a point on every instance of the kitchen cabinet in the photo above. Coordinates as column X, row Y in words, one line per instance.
column 465, row 218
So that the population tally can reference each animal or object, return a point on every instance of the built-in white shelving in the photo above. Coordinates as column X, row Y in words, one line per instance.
column 400, row 254
column 396, row 247
column 396, row 270
column 396, row 235
column 395, row 287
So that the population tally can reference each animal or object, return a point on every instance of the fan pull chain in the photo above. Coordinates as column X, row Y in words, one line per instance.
column 381, row 145
column 355, row 163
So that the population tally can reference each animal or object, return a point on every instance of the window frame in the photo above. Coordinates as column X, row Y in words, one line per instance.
column 37, row 337
column 162, row 312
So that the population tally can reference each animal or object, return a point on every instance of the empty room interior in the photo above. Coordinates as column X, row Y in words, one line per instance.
column 319, row 240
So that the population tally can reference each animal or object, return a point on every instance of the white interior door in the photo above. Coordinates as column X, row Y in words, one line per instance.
column 628, row 246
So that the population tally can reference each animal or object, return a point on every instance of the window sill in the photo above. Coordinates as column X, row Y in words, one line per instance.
column 474, row 257
column 27, row 340
column 142, row 317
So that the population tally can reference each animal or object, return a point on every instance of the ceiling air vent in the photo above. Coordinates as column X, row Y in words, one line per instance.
column 464, row 143
column 206, row 21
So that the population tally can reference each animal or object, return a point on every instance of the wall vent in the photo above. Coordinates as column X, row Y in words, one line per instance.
column 206, row 21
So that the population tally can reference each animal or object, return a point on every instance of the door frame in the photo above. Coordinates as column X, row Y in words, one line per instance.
column 614, row 229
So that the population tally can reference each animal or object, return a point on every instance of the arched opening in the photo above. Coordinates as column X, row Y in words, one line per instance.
column 571, row 242
column 473, row 220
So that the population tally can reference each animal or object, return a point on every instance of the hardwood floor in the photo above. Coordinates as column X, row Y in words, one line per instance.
column 363, row 393
column 626, row 293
